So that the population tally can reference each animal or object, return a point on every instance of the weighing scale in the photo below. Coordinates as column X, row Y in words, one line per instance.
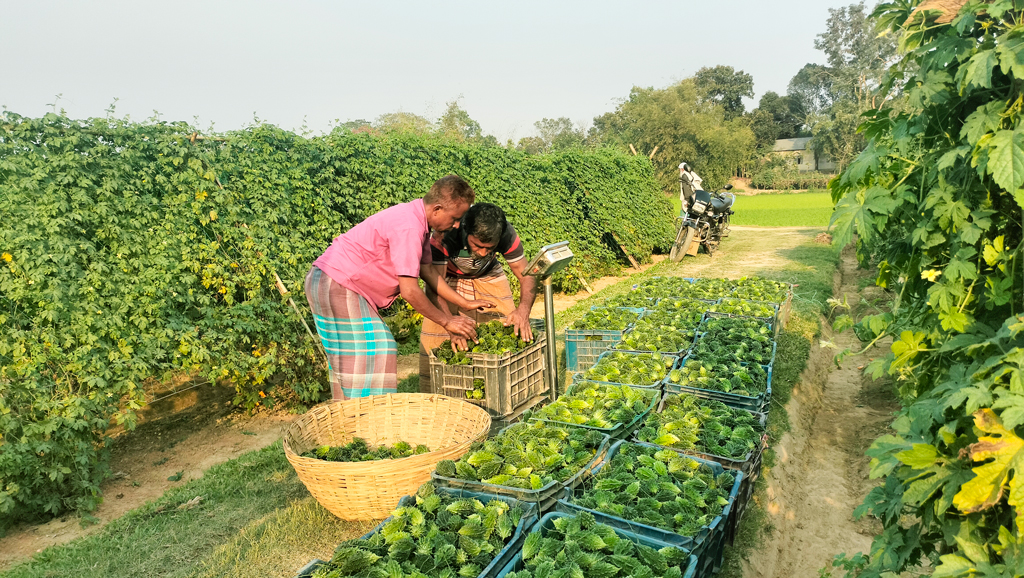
column 550, row 260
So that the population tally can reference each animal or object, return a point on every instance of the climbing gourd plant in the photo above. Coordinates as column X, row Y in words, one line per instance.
column 935, row 202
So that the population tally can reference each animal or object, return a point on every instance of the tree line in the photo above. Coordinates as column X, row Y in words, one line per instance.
column 703, row 120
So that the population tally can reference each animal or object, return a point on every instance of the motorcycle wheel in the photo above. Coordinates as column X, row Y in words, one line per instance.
column 683, row 240
column 725, row 225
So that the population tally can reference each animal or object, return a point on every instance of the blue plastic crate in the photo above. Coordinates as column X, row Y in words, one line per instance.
column 547, row 522
column 584, row 346
column 656, row 385
column 545, row 497
column 680, row 353
column 757, row 403
column 709, row 315
column 531, row 513
column 750, row 465
column 618, row 431
column 307, row 570
column 707, row 545
column 773, row 320
column 771, row 356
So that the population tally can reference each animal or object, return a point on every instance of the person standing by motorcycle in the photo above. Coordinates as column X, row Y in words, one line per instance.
column 689, row 183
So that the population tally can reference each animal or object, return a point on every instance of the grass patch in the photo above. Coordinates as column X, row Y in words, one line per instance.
column 811, row 209
column 159, row 539
column 282, row 542
column 410, row 384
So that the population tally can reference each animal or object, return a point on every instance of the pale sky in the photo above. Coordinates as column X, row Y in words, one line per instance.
column 312, row 62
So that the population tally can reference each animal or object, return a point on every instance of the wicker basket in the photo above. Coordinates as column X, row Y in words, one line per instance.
column 371, row 490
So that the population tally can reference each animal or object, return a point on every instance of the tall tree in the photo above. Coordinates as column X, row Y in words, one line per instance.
column 857, row 55
column 456, row 124
column 765, row 129
column 554, row 134
column 726, row 86
column 834, row 95
column 354, row 125
column 814, row 87
column 684, row 126
column 787, row 113
column 406, row 122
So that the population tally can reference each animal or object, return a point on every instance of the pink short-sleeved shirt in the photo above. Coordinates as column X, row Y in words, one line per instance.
column 370, row 257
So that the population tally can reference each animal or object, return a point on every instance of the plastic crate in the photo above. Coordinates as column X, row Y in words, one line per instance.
column 584, row 346
column 618, row 431
column 707, row 546
column 545, row 497
column 548, row 521
column 773, row 320
column 736, row 292
column 750, row 465
column 771, row 356
column 758, row 403
column 656, row 385
column 513, row 382
column 512, row 547
column 772, row 327
column 307, row 570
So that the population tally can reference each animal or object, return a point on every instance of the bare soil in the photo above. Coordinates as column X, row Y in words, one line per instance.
column 821, row 472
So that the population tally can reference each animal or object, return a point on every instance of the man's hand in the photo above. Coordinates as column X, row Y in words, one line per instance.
column 478, row 305
column 461, row 326
column 459, row 343
column 521, row 322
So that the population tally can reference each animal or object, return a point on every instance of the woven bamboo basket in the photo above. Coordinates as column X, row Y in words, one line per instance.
column 371, row 490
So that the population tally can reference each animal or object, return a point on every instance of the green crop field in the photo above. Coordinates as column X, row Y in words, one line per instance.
column 811, row 209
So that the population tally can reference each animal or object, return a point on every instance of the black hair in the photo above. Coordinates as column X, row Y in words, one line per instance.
column 485, row 221
column 449, row 190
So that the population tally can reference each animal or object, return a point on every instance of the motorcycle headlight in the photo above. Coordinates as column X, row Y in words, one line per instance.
column 699, row 207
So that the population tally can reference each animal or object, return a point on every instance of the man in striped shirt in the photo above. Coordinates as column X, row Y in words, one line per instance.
column 466, row 258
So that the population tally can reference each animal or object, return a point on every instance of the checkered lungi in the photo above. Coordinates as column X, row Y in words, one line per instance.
column 362, row 355
column 494, row 289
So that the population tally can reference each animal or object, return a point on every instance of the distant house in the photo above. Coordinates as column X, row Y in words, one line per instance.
column 806, row 159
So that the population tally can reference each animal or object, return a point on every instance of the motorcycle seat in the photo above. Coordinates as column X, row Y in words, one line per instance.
column 722, row 202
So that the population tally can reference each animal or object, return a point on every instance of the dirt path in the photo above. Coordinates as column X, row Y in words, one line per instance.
column 821, row 473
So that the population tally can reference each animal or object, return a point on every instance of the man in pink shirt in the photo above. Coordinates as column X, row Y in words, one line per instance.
column 369, row 266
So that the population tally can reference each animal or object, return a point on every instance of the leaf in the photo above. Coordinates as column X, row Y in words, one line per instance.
column 1006, row 160
column 842, row 323
column 978, row 72
column 919, row 457
column 1011, row 56
column 860, row 213
column 985, row 119
column 949, row 158
column 954, row 566
column 1006, row 451
column 907, row 347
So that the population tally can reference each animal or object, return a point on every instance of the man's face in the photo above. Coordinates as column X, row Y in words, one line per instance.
column 445, row 217
column 478, row 249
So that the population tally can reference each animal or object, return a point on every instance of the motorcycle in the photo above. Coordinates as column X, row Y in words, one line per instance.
column 705, row 220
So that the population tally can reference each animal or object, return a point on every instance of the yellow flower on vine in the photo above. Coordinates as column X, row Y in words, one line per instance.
column 8, row 257
column 931, row 274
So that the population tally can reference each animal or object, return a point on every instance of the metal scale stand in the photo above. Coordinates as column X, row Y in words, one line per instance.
column 550, row 260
